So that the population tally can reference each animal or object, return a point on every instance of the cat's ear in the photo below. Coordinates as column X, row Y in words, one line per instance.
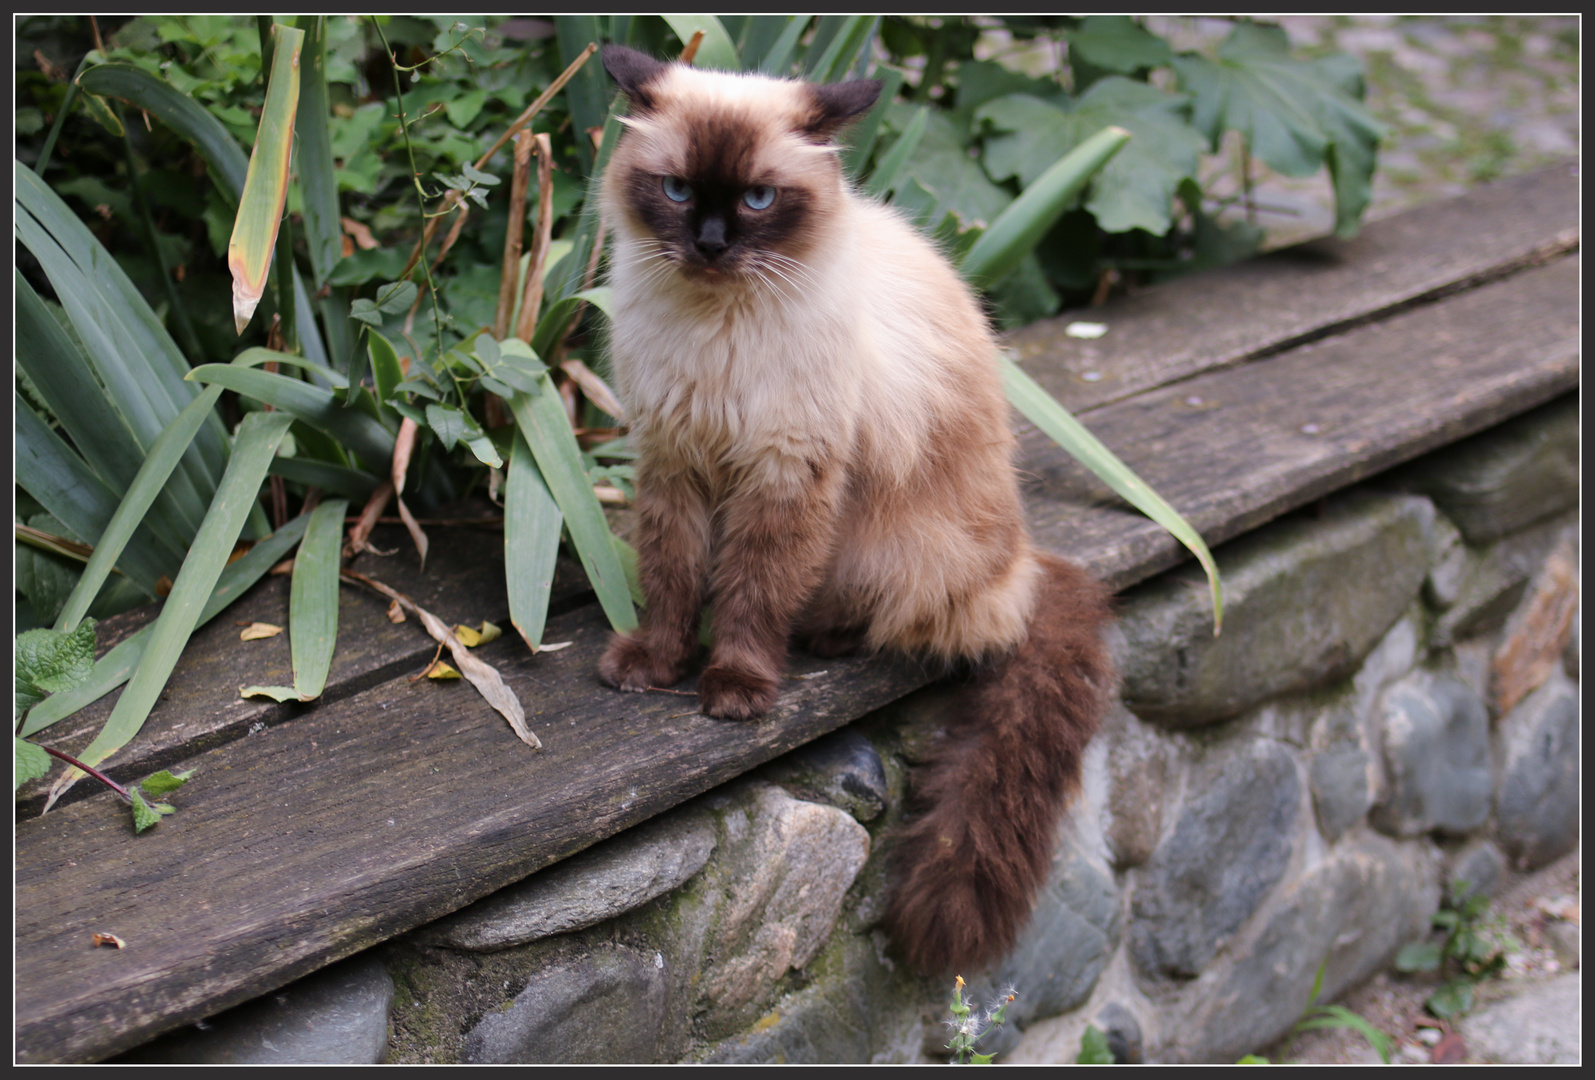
column 633, row 72
column 837, row 103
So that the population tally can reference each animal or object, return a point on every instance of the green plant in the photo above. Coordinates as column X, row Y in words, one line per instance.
column 1094, row 1049
column 1473, row 946
column 970, row 1025
column 1320, row 1017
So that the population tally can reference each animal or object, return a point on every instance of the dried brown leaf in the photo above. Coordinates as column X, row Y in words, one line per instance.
column 395, row 612
column 359, row 233
column 360, row 533
column 108, row 941
column 597, row 391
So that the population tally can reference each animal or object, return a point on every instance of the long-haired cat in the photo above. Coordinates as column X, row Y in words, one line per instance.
column 824, row 452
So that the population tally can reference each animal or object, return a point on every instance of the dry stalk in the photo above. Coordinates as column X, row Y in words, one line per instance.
column 510, row 276
column 532, row 294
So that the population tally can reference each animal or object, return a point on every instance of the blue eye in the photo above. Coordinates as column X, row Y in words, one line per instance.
column 759, row 197
column 677, row 189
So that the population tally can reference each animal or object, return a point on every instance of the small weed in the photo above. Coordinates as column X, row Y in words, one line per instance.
column 970, row 1026
column 1474, row 947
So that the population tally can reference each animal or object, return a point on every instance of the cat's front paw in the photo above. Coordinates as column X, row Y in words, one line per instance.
column 730, row 694
column 629, row 664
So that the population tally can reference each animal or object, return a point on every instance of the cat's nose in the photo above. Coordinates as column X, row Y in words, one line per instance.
column 712, row 237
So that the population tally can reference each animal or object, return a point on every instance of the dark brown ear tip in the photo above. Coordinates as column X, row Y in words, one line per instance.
column 631, row 69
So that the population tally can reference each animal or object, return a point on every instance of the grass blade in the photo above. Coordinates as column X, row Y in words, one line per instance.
column 317, row 183
column 888, row 174
column 532, row 523
column 1041, row 409
column 258, row 438
column 1021, row 226
column 338, row 479
column 114, row 668
column 314, row 405
column 63, row 377
column 863, row 135
column 716, row 50
column 542, row 422
column 588, row 90
column 313, row 599
column 49, row 471
column 151, row 478
column 179, row 112
column 777, row 63
column 254, row 236
column 843, row 50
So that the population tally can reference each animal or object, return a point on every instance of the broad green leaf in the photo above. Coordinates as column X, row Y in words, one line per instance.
column 1295, row 115
column 318, row 184
column 50, row 661
column 1117, row 43
column 1452, row 999
column 165, row 782
column 532, row 523
column 32, row 763
column 447, row 422
column 312, row 404
column 144, row 816
column 1041, row 409
column 48, row 470
column 542, row 422
column 588, row 90
column 1419, row 956
column 313, row 598
column 716, row 51
column 254, row 236
column 1136, row 187
column 115, row 667
column 258, row 437
column 1094, row 1048
column 1021, row 226
column 942, row 166
column 257, row 357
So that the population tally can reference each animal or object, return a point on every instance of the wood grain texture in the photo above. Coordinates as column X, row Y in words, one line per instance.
column 387, row 804
column 1221, row 317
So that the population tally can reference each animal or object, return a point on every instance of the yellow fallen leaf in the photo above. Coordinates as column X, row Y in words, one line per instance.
column 473, row 638
column 440, row 670
column 256, row 631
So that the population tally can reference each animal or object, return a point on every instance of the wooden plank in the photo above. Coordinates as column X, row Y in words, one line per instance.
column 201, row 708
column 362, row 819
column 1220, row 317
column 1233, row 448
column 370, row 815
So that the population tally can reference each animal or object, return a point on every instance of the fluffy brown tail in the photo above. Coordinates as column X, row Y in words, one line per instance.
column 968, row 868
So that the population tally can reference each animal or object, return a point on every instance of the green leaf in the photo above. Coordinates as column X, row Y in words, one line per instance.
column 1021, row 226
column 778, row 61
column 447, row 422
column 337, row 479
column 889, row 171
column 312, row 404
column 547, row 431
column 144, row 816
column 396, row 297
column 49, row 661
column 841, row 52
column 318, row 182
column 1419, row 956
column 716, row 50
column 254, row 238
column 1136, row 188
column 32, row 762
column 1117, row 43
column 1094, row 1048
column 861, row 137
column 1041, row 409
column 114, row 668
column 588, row 90
column 1295, row 115
column 313, row 598
column 1252, row 1059
column 942, row 166
column 532, row 524
column 165, row 782
column 258, row 437
column 1452, row 999
column 386, row 371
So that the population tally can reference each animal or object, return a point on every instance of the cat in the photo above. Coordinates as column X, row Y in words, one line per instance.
column 824, row 453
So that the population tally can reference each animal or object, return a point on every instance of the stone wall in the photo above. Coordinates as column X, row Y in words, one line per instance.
column 1393, row 704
